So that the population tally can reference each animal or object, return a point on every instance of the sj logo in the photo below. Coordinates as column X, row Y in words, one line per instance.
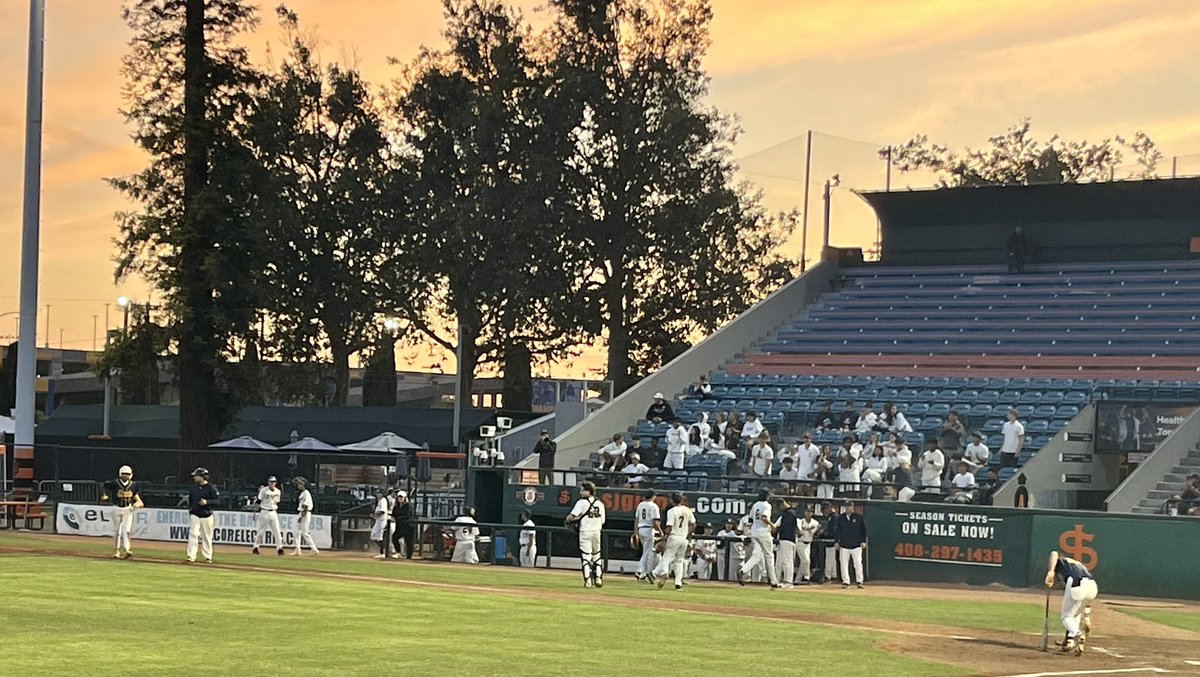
column 1075, row 543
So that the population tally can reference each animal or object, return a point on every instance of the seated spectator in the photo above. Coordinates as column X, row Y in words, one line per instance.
column 734, row 423
column 659, row 411
column 875, row 466
column 720, row 422
column 1171, row 507
column 654, row 454
column 977, row 454
column 715, row 440
column 989, row 487
column 1190, row 496
column 849, row 416
column 634, row 447
column 634, row 470
column 695, row 441
column 953, row 431
column 883, row 422
column 866, row 420
column 752, row 428
column 899, row 424
column 612, row 455
column 930, row 464
column 733, row 440
column 762, row 456
column 963, row 484
column 825, row 419
column 701, row 390
column 702, row 423
column 900, row 477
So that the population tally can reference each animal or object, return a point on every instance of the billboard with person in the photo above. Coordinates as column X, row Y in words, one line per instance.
column 1136, row 426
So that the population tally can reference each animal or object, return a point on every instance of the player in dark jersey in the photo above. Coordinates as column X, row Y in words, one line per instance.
column 1079, row 592
column 122, row 493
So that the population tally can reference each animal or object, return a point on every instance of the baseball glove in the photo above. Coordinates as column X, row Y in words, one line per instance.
column 660, row 546
column 635, row 541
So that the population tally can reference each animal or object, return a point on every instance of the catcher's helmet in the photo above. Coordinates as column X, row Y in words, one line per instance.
column 202, row 472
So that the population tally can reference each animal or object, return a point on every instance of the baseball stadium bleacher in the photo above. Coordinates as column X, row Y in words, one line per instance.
column 976, row 340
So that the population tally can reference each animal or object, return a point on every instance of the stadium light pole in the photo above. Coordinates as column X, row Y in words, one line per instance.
column 458, row 388
column 31, row 219
column 804, row 214
column 833, row 182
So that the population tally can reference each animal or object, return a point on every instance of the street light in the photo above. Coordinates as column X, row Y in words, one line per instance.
column 392, row 325
column 125, row 304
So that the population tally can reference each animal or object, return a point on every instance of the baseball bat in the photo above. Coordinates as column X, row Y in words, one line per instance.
column 1046, row 623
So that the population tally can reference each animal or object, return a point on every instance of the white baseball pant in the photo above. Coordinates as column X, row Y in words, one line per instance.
column 673, row 461
column 589, row 554
column 647, row 563
column 849, row 554
column 761, row 556
column 303, row 524
column 785, row 561
column 200, row 535
column 528, row 559
column 268, row 522
column 673, row 558
column 122, row 526
column 831, row 563
column 734, row 561
column 805, row 550
column 1075, row 600
column 464, row 553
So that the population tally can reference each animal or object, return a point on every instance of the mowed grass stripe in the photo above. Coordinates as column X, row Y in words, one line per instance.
column 1186, row 620
column 64, row 614
column 983, row 615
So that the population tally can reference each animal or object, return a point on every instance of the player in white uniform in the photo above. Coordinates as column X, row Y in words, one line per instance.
column 268, row 516
column 527, row 541
column 730, row 556
column 304, row 520
column 379, row 529
column 1079, row 590
column 464, row 539
column 744, row 549
column 588, row 513
column 760, row 540
column 809, row 528
column 680, row 526
column 646, row 520
column 123, row 494
column 704, row 552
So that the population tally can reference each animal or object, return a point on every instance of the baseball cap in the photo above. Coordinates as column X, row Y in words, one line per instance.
column 272, row 479
column 825, row 505
column 125, row 470
column 400, row 493
column 545, row 432
column 659, row 396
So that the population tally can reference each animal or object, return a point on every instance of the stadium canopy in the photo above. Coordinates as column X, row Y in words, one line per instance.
column 243, row 442
column 308, row 444
column 388, row 441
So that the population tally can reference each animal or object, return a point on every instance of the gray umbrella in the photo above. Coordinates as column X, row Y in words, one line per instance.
column 243, row 442
column 309, row 444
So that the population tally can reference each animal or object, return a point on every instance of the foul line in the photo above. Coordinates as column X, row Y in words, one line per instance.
column 1093, row 672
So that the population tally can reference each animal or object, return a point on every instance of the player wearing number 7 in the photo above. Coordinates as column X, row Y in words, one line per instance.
column 681, row 525
column 1078, row 593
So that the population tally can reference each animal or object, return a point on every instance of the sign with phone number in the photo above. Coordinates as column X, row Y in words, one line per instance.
column 950, row 553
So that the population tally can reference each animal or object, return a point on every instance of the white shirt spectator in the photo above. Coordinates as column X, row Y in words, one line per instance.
column 931, row 464
column 676, row 439
column 855, row 451
column 901, row 424
column 762, row 455
column 977, row 454
column 808, row 529
column 807, row 459
column 964, row 481
column 613, row 449
column 1013, row 432
column 705, row 428
column 751, row 429
column 851, row 474
column 874, row 468
column 866, row 422
column 635, row 470
column 903, row 455
column 786, row 473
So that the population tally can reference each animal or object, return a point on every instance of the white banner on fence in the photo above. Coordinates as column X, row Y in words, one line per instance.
column 167, row 524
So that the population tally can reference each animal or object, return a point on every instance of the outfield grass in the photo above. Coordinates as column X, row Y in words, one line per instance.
column 1176, row 619
column 982, row 615
column 68, row 615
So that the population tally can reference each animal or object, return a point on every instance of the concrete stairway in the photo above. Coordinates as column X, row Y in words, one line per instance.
column 1171, row 484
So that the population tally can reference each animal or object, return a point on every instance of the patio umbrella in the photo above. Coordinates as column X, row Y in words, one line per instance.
column 388, row 442
column 243, row 442
column 308, row 444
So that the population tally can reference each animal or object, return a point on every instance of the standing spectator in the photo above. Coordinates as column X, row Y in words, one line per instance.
column 850, row 447
column 1014, row 439
column 676, row 446
column 527, row 540
column 659, row 411
column 702, row 424
column 729, row 551
column 762, row 456
column 849, row 416
column 901, row 452
column 202, row 496
column 1021, row 495
column 789, row 475
column 304, row 506
column 647, row 521
column 752, row 427
column 964, row 484
column 851, row 535
column 875, row 467
column 760, row 540
column 809, row 528
column 704, row 554
column 823, row 473
column 977, row 453
column 545, row 449
column 634, row 470
column 952, row 433
column 931, row 464
column 1018, row 250
column 465, row 537
column 900, row 478
column 866, row 420
column 701, row 390
column 849, row 475
column 122, row 493
column 612, row 455
column 785, row 557
column 403, row 529
column 826, row 420
column 807, row 457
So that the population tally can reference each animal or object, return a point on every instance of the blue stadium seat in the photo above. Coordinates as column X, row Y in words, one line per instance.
column 992, row 426
column 968, row 396
column 918, row 382
column 938, row 382
column 811, row 393
column 860, row 382
column 1062, row 383
column 979, row 411
column 916, row 409
column 998, row 383
column 1040, row 384
column 958, row 383
column 1075, row 397
column 736, row 392
column 719, row 379
column 915, row 440
column 822, row 381
column 1007, row 474
column 755, row 392
column 708, row 405
column 773, row 393
column 888, row 395
column 771, row 379
column 994, row 442
column 978, row 383
column 1052, row 397
column 804, row 381
column 1000, row 409
column 1066, row 412
column 1019, row 383
column 1010, row 397
column 792, row 393
column 939, row 410
column 753, row 379
column 847, row 393
column 1045, row 411
column 1031, row 397
column 1024, row 411
column 829, row 393
column 1036, row 427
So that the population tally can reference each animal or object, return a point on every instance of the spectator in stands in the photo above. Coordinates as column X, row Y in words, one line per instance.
column 720, row 422
column 715, row 440
column 875, row 466
column 733, row 441
column 545, row 449
column 654, row 454
column 1172, row 506
column 930, row 464
column 1021, row 495
column 702, row 423
column 734, row 423
column 883, row 422
column 823, row 473
column 807, row 456
column 1190, row 496
column 849, row 416
column 659, row 411
column 701, row 390
column 900, row 477
column 1014, row 440
column 695, row 442
column 634, row 447
column 1018, row 251
column 977, row 453
column 988, row 487
column 752, row 428
column 762, row 456
column 952, row 433
column 612, row 455
column 826, row 420
column 898, row 423
column 634, row 470
column 963, row 484
column 677, row 439
column 866, row 420
column 789, row 474
column 900, row 452
column 849, row 475
column 850, row 447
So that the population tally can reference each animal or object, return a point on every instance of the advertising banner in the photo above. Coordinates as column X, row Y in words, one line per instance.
column 1128, row 426
column 929, row 542
column 167, row 524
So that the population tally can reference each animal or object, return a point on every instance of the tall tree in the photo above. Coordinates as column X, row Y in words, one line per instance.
column 188, row 86
column 489, row 151
column 1017, row 158
column 667, row 244
column 318, row 136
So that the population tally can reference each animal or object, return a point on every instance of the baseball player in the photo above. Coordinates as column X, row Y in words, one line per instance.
column 680, row 526
column 1079, row 590
column 647, row 518
column 588, row 515
column 528, row 541
column 123, row 494
column 304, row 519
column 744, row 525
column 202, row 496
column 850, row 533
column 464, row 539
column 268, row 516
column 809, row 528
column 787, row 527
column 760, row 540
column 379, row 529
column 729, row 546
column 704, row 554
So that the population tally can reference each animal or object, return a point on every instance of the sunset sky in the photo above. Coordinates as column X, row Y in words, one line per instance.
column 864, row 72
